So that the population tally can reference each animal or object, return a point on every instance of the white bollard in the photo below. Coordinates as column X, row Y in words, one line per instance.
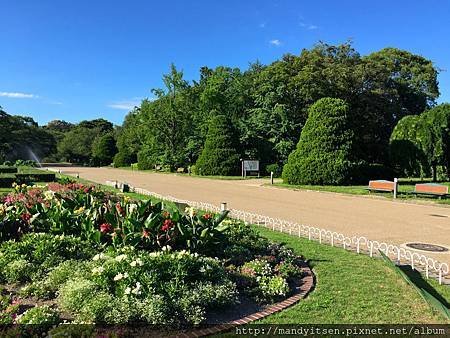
column 271, row 177
column 395, row 187
column 223, row 206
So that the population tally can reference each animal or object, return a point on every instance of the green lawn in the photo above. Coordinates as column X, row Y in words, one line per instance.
column 406, row 187
column 354, row 288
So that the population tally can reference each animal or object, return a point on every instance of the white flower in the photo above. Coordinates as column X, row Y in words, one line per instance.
column 98, row 256
column 132, row 207
column 98, row 270
column 166, row 248
column 48, row 195
column 202, row 269
column 118, row 277
column 136, row 290
column 127, row 290
column 137, row 262
column 190, row 211
column 121, row 257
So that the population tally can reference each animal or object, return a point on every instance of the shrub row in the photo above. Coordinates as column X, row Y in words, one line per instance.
column 6, row 180
column 7, row 169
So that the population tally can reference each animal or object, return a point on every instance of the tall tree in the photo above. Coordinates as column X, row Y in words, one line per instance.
column 219, row 155
column 324, row 154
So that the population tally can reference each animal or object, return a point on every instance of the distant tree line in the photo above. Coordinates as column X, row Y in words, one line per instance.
column 88, row 142
column 266, row 107
column 327, row 110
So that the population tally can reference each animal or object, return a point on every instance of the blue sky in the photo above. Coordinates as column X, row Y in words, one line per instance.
column 75, row 60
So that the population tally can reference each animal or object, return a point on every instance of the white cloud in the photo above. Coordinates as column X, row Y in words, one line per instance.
column 275, row 42
column 55, row 102
column 308, row 26
column 126, row 104
column 18, row 95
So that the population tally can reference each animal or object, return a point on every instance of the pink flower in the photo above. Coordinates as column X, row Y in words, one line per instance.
column 105, row 227
column 168, row 224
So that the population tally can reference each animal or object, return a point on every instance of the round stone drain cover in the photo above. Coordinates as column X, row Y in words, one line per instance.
column 427, row 247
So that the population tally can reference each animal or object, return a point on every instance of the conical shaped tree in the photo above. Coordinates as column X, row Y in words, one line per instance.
column 324, row 152
column 219, row 155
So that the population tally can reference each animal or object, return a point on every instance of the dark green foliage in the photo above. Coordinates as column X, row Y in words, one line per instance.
column 364, row 172
column 7, row 169
column 128, row 141
column 324, row 152
column 406, row 152
column 421, row 144
column 20, row 135
column 219, row 155
column 103, row 149
column 25, row 175
column 275, row 168
column 78, row 144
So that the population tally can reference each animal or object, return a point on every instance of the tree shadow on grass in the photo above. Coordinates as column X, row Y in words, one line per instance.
column 421, row 283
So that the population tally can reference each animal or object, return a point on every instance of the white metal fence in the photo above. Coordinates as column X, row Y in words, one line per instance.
column 429, row 266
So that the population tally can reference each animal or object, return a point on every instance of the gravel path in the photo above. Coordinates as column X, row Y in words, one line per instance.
column 375, row 218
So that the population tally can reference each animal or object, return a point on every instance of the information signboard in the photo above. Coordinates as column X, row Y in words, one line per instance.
column 251, row 165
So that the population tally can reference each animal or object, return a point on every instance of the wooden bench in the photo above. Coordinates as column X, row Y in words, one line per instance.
column 381, row 185
column 432, row 189
column 180, row 170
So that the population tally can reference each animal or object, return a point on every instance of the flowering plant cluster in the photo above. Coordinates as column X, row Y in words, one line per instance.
column 100, row 257
column 8, row 308
column 268, row 278
column 105, row 218
column 164, row 279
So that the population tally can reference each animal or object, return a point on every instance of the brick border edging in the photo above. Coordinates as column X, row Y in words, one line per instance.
column 307, row 285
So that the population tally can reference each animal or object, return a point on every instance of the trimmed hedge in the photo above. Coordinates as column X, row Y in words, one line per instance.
column 6, row 181
column 26, row 176
column 7, row 169
column 36, row 177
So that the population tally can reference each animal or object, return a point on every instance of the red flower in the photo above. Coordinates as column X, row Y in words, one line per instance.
column 168, row 224
column 120, row 209
column 145, row 233
column 207, row 216
column 105, row 227
column 25, row 217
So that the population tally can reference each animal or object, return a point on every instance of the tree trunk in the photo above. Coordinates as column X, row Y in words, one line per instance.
column 434, row 171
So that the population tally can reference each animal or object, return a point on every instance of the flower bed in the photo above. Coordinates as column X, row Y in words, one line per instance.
column 98, row 257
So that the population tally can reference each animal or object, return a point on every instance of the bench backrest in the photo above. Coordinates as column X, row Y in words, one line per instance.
column 382, row 185
column 180, row 170
column 428, row 188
